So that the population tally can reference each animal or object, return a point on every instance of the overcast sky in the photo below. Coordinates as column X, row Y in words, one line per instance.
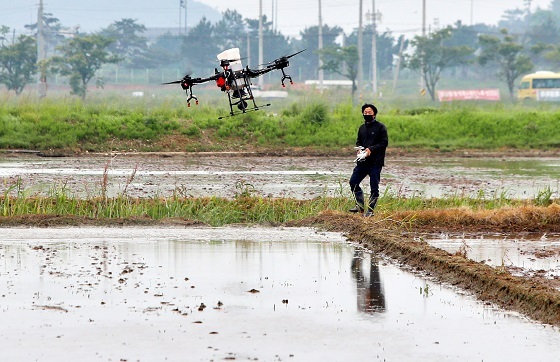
column 399, row 16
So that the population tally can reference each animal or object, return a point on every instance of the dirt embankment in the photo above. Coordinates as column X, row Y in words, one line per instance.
column 535, row 297
column 251, row 150
column 523, row 219
column 72, row 220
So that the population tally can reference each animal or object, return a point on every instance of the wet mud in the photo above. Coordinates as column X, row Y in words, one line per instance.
column 525, row 255
column 302, row 177
column 239, row 293
column 310, row 176
column 534, row 297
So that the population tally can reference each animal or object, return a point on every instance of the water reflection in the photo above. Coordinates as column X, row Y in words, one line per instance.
column 530, row 255
column 134, row 294
column 299, row 177
column 370, row 296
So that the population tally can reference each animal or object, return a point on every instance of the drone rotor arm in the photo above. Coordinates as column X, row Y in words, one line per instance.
column 254, row 73
column 204, row 80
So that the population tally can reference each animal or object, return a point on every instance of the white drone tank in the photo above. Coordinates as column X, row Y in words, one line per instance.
column 232, row 54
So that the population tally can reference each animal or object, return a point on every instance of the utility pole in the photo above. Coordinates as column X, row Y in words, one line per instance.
column 401, row 48
column 41, row 52
column 272, row 17
column 320, row 47
column 422, row 85
column 276, row 16
column 528, row 4
column 472, row 11
column 182, row 5
column 360, row 51
column 248, row 45
column 180, row 16
column 374, row 49
column 261, row 43
column 185, row 6
column 423, row 17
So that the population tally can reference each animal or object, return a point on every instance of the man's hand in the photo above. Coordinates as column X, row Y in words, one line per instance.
column 361, row 154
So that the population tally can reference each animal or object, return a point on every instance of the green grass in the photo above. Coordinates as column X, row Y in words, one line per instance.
column 312, row 121
column 210, row 210
column 244, row 207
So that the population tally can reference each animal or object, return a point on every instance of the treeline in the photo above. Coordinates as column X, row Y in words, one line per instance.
column 459, row 51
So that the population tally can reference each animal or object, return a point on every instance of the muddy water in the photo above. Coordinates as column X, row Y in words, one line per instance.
column 154, row 294
column 299, row 177
column 526, row 255
column 515, row 177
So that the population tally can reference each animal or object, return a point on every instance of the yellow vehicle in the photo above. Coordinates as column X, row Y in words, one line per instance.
column 540, row 86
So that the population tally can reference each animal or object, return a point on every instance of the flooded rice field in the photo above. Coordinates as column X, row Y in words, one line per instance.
column 523, row 256
column 237, row 293
column 299, row 177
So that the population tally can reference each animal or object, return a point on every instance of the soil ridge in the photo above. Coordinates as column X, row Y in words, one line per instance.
column 531, row 297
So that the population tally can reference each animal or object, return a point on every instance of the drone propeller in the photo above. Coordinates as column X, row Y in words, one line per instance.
column 291, row 55
column 174, row 82
column 234, row 60
column 185, row 79
column 227, row 62
column 281, row 59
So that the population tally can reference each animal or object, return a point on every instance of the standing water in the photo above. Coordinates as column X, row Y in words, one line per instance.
column 155, row 294
column 522, row 255
column 300, row 177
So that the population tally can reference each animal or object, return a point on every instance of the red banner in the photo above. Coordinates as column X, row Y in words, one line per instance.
column 469, row 95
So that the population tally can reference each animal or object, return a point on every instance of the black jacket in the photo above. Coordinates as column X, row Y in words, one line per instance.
column 373, row 135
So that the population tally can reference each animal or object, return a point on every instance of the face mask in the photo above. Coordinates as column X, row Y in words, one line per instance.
column 369, row 118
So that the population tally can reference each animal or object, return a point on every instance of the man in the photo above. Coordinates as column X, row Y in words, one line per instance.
column 372, row 136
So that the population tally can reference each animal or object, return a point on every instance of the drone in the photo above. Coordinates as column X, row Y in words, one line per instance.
column 235, row 81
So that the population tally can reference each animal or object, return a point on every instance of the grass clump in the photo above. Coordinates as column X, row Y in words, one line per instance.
column 213, row 211
column 247, row 208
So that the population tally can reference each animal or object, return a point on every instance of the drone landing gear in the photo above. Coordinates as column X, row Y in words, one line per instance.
column 284, row 77
column 190, row 96
column 241, row 98
column 189, row 101
column 242, row 105
column 231, row 114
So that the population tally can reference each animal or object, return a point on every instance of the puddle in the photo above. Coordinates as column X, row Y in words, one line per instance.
column 239, row 293
column 511, row 177
column 503, row 166
column 298, row 177
column 189, row 176
column 528, row 255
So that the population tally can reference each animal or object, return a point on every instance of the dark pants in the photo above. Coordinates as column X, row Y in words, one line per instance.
column 358, row 175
